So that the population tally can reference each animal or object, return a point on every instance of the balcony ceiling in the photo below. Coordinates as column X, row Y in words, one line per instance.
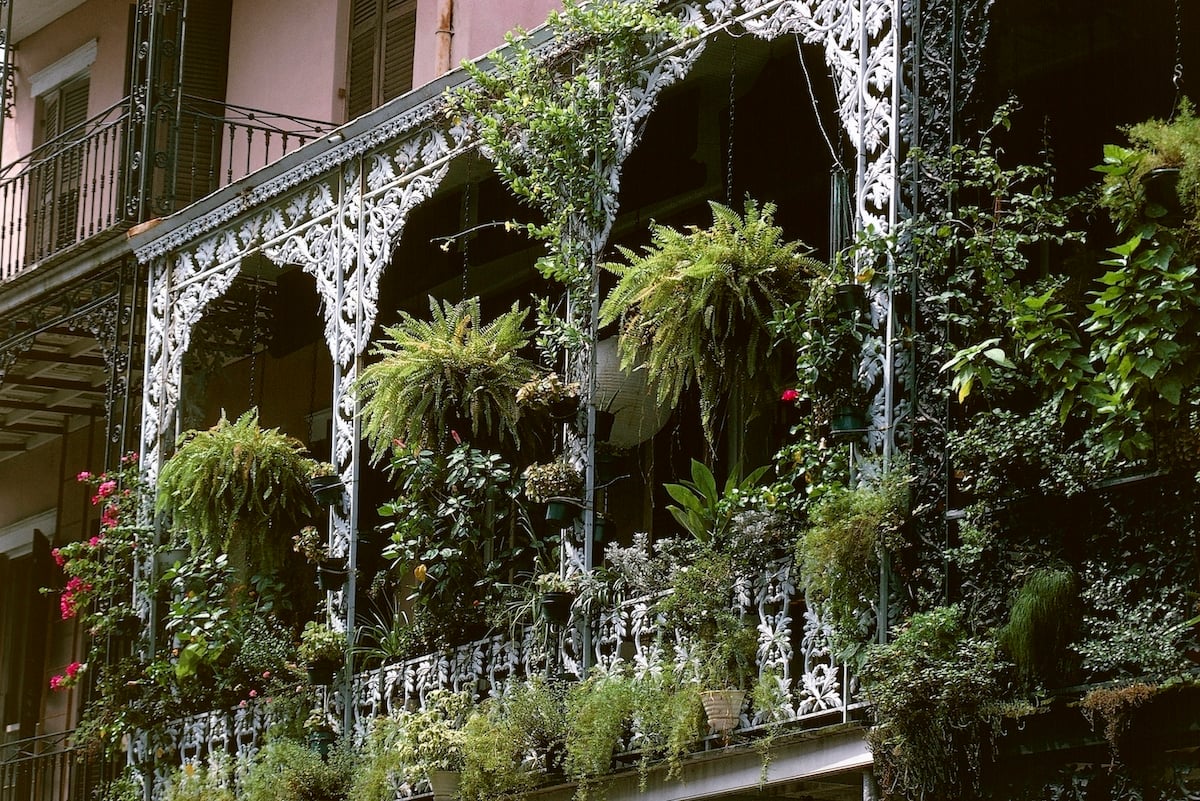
column 30, row 16
column 58, row 384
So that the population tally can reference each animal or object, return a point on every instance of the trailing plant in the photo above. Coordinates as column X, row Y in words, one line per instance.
column 694, row 307
column 599, row 713
column 937, row 692
column 431, row 738
column 668, row 716
column 1043, row 620
column 840, row 553
column 197, row 781
column 239, row 489
column 536, row 710
column 1114, row 708
column 449, row 375
column 546, row 118
column 493, row 764
column 728, row 661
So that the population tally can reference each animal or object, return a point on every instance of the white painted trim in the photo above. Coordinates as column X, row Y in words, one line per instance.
column 62, row 70
column 16, row 540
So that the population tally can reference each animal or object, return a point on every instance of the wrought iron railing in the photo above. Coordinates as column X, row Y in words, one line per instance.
column 63, row 192
column 793, row 645
column 49, row 768
column 75, row 188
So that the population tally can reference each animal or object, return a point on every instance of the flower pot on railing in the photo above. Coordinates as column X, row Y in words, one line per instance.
column 723, row 708
column 1161, row 186
column 556, row 607
column 327, row 489
column 320, row 671
column 332, row 573
column 444, row 784
column 847, row 422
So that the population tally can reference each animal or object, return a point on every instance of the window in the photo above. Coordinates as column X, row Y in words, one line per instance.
column 55, row 181
column 382, row 37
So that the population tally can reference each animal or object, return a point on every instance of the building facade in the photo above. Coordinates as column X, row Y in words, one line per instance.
column 215, row 206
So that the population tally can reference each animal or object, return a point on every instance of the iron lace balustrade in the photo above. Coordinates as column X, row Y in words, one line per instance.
column 64, row 192
column 50, row 768
column 219, row 143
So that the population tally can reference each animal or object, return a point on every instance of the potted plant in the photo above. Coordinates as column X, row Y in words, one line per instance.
column 695, row 307
column 430, row 742
column 557, row 596
column 238, row 488
column 1158, row 175
column 554, row 484
column 326, row 485
column 548, row 395
column 321, row 650
column 331, row 570
column 728, row 668
column 320, row 731
column 452, row 372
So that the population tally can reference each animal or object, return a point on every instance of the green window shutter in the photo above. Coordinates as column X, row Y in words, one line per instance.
column 364, row 27
column 399, row 42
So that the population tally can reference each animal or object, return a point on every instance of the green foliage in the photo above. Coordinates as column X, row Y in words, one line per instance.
column 546, row 119
column 599, row 712
column 285, row 770
column 458, row 527
column 1043, row 620
column 493, row 761
column 320, row 643
column 449, row 373
column 200, row 782
column 700, row 604
column 559, row 479
column 668, row 716
column 729, row 660
column 703, row 511
column 937, row 692
column 839, row 555
column 695, row 307
column 238, row 488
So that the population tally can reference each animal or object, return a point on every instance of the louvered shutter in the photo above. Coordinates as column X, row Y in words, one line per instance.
column 399, row 41
column 364, row 33
column 200, row 164
column 73, row 104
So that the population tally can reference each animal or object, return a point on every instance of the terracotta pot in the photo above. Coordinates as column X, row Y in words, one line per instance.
column 724, row 708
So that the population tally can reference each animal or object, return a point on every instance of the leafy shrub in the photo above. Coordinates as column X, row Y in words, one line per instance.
column 285, row 770
column 1043, row 620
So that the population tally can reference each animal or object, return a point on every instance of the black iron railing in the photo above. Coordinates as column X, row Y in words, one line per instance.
column 76, row 188
column 49, row 768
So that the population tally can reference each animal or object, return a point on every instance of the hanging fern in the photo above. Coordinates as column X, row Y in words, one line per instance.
column 444, row 373
column 694, row 306
column 238, row 488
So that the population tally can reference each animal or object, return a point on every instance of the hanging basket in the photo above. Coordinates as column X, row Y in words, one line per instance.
column 1161, row 186
column 332, row 574
column 851, row 299
column 556, row 607
column 560, row 512
column 321, row 672
column 328, row 490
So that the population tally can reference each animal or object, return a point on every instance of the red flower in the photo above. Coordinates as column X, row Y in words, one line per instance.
column 58, row 557
column 73, row 669
column 109, row 517
column 790, row 396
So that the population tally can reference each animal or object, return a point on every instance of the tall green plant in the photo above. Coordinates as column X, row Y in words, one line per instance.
column 706, row 512
column 695, row 306
column 238, row 488
column 1044, row 618
column 450, row 371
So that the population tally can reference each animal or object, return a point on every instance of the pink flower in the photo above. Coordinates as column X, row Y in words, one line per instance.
column 242, row 703
column 83, row 476
column 789, row 396
column 94, row 542
column 109, row 518
column 266, row 674
column 106, row 488
column 129, row 458
column 73, row 669
column 58, row 557
column 454, row 435
column 66, row 605
column 254, row 693
column 56, row 682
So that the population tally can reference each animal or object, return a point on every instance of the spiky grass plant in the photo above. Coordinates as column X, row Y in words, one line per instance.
column 1044, row 618
column 450, row 370
column 694, row 306
column 238, row 488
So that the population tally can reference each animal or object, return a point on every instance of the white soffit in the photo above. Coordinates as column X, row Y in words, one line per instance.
column 16, row 540
column 30, row 16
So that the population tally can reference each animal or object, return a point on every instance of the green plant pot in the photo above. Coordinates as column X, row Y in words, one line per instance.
column 328, row 490
column 847, row 422
column 321, row 672
column 321, row 742
column 556, row 607
column 559, row 512
column 851, row 299
column 1161, row 186
column 601, row 527
column 606, row 467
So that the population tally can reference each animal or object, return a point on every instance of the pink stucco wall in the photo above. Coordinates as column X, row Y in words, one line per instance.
column 106, row 21
column 288, row 56
column 479, row 26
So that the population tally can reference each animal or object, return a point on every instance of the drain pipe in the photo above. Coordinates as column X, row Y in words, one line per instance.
column 445, row 34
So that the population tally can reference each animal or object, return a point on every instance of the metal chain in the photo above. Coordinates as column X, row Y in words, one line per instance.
column 467, row 222
column 732, row 96
column 1177, row 75
column 254, row 342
